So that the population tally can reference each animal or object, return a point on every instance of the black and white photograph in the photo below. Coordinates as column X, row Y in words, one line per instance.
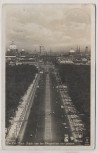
column 49, row 53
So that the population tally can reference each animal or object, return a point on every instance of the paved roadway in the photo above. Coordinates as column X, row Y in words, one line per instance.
column 47, row 123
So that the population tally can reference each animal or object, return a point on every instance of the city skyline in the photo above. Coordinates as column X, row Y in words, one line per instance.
column 55, row 26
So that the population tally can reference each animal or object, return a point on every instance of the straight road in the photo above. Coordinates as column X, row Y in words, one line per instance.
column 47, row 123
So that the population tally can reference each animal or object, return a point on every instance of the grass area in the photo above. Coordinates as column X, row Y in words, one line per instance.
column 18, row 79
column 77, row 78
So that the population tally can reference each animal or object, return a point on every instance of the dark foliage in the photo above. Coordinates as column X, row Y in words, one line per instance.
column 18, row 78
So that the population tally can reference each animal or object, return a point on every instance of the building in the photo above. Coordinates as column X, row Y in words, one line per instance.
column 12, row 50
column 12, row 46
column 11, row 53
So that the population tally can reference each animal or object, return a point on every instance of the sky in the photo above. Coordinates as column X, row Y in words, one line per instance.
column 55, row 26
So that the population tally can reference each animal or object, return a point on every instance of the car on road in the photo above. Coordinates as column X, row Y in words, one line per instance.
column 41, row 72
column 66, row 138
column 62, row 106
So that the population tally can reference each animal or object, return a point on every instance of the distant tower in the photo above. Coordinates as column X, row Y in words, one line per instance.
column 41, row 49
column 86, row 50
column 79, row 49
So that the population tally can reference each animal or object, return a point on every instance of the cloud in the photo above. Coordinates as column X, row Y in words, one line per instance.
column 47, row 24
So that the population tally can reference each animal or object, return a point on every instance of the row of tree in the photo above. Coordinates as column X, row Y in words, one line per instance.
column 18, row 79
